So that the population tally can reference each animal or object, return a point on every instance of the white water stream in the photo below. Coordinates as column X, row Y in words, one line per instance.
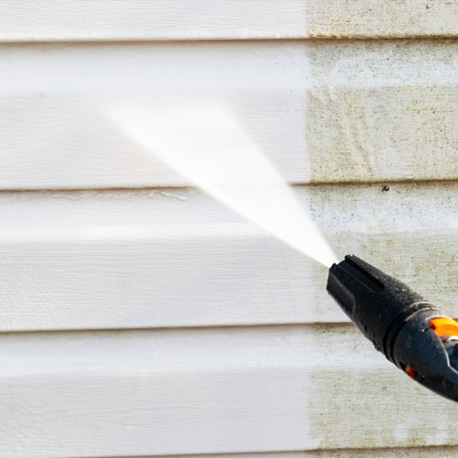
column 208, row 146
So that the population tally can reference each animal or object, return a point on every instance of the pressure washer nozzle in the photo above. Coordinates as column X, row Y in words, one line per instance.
column 410, row 331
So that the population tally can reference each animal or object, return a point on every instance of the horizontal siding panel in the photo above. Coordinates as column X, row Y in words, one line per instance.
column 322, row 112
column 234, row 19
column 426, row 452
column 147, row 259
column 209, row 391
column 63, row 106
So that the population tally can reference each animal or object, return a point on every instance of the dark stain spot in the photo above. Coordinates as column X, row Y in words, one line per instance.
column 385, row 188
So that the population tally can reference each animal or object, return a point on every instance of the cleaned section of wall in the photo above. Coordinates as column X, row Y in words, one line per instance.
column 147, row 259
column 64, row 106
column 209, row 391
column 151, row 20
column 224, row 19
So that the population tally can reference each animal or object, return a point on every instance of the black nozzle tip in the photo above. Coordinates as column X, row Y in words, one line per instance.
column 352, row 273
column 373, row 300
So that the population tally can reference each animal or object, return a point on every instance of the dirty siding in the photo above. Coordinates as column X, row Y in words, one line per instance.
column 139, row 317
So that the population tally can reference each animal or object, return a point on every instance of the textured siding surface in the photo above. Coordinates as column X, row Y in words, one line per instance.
column 323, row 111
column 209, row 391
column 141, row 318
column 175, row 257
column 229, row 19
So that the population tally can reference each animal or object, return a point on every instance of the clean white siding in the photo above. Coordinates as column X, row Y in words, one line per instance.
column 139, row 317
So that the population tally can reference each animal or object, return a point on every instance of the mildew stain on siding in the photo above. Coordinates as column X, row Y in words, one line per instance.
column 356, row 134
column 354, row 18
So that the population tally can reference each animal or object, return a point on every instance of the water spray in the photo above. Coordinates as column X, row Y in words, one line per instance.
column 207, row 145
column 408, row 329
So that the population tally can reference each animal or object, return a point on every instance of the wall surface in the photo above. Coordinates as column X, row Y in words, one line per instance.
column 139, row 317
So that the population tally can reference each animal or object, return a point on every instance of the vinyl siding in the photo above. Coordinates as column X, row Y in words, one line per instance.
column 230, row 19
column 141, row 318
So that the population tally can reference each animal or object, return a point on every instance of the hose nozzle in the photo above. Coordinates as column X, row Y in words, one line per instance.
column 408, row 329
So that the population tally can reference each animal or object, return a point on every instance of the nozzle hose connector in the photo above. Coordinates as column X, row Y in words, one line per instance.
column 408, row 329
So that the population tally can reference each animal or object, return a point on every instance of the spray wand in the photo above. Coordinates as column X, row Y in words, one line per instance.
column 410, row 331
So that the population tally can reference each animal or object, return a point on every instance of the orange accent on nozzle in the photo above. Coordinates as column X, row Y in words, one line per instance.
column 444, row 326
column 410, row 372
